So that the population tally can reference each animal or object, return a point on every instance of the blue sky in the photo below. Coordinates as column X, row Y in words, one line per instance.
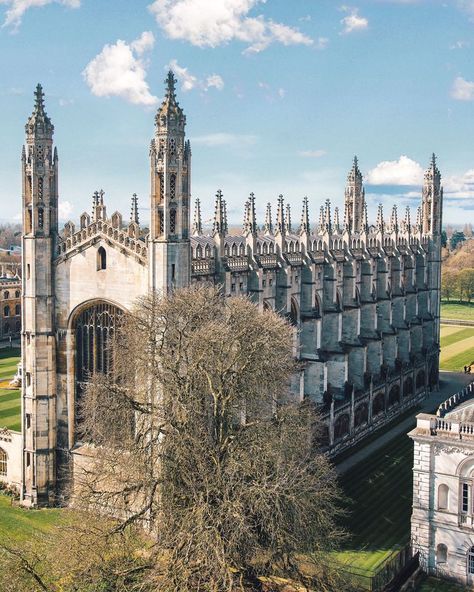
column 279, row 96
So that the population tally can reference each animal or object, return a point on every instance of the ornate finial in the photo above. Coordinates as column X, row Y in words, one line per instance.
column 39, row 99
column 380, row 222
column 433, row 160
column 407, row 220
column 170, row 84
column 252, row 216
column 304, row 227
column 268, row 226
column 218, row 226
column 197, row 223
column 365, row 223
column 327, row 216
column 288, row 218
column 419, row 219
column 225, row 227
column 134, row 210
column 280, row 220
column 394, row 219
column 321, row 219
column 355, row 163
column 336, row 219
column 347, row 217
column 101, row 194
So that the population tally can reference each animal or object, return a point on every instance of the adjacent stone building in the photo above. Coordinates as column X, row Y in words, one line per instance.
column 363, row 298
column 443, row 478
column 10, row 310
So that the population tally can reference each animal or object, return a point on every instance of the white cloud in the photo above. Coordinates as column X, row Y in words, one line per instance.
column 215, row 81
column 66, row 102
column 224, row 139
column 353, row 22
column 189, row 81
column 119, row 70
column 467, row 6
column 403, row 171
column 144, row 43
column 210, row 23
column 460, row 186
column 321, row 43
column 460, row 45
column 17, row 8
column 312, row 153
column 65, row 209
column 462, row 90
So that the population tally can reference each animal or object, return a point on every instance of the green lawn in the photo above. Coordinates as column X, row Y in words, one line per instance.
column 434, row 585
column 457, row 347
column 457, row 310
column 10, row 405
column 381, row 492
column 19, row 524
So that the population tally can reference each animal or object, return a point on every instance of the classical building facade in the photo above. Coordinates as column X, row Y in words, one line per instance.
column 442, row 524
column 363, row 298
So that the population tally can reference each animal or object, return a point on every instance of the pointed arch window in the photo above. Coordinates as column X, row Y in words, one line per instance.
column 172, row 186
column 3, row 463
column 6, row 311
column 470, row 561
column 101, row 259
column 172, row 221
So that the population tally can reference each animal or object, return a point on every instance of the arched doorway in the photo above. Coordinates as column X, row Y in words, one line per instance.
column 93, row 328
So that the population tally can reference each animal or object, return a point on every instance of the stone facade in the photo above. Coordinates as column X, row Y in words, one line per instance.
column 443, row 505
column 10, row 310
column 363, row 299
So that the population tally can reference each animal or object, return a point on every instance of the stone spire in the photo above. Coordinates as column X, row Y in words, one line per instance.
column 394, row 220
column 288, row 218
column 432, row 200
column 134, row 210
column 327, row 216
column 321, row 219
column 219, row 223
column 407, row 220
column 347, row 217
column 39, row 122
column 250, row 218
column 419, row 219
column 305, row 227
column 365, row 220
column 380, row 221
column 355, row 198
column 224, row 219
column 336, row 220
column 197, row 221
column 280, row 219
column 169, row 112
column 268, row 226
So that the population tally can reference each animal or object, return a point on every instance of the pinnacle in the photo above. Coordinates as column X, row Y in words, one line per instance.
column 170, row 84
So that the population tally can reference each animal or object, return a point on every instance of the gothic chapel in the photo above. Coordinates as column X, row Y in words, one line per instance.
column 363, row 299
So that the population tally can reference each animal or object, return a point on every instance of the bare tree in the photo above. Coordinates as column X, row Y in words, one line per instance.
column 193, row 436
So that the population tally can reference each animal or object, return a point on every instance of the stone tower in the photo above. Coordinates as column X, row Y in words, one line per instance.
column 40, row 226
column 354, row 198
column 431, row 222
column 170, row 156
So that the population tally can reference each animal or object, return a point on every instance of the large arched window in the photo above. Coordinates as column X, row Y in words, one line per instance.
column 3, row 463
column 93, row 329
column 470, row 561
column 101, row 259
column 6, row 311
column 443, row 497
column 6, row 295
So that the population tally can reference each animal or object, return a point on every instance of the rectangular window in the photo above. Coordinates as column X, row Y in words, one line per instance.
column 28, row 379
column 471, row 562
column 28, row 459
column 465, row 498
column 28, row 421
column 173, row 272
column 241, row 286
column 232, row 288
column 264, row 283
column 270, row 282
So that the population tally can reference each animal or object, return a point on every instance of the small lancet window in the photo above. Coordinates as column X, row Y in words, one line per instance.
column 101, row 259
